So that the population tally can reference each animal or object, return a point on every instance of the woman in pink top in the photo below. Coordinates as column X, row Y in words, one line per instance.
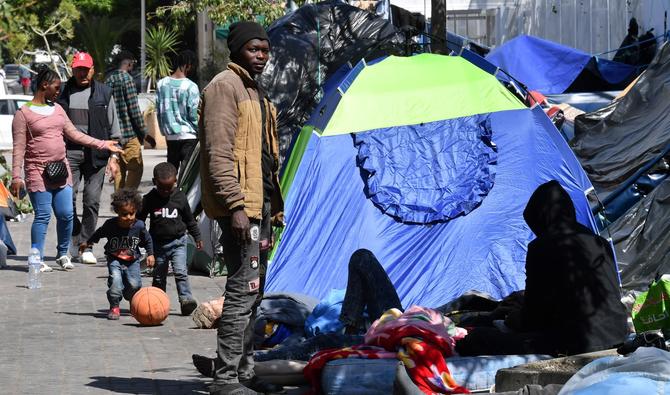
column 38, row 130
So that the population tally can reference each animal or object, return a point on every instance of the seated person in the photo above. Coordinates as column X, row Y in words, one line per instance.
column 572, row 302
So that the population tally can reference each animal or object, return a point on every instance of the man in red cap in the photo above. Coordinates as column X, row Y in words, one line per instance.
column 90, row 106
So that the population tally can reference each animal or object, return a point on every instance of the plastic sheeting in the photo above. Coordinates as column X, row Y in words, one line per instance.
column 614, row 142
column 447, row 168
column 311, row 44
column 329, row 217
column 552, row 68
column 642, row 239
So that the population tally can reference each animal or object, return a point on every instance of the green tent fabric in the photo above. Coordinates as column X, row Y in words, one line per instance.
column 470, row 91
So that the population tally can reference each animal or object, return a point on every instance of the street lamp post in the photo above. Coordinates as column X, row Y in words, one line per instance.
column 143, row 54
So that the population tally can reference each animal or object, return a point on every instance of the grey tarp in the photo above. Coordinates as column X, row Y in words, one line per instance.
column 642, row 239
column 616, row 141
column 308, row 46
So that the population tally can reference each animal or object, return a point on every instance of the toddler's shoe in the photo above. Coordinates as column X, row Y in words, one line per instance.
column 65, row 262
column 187, row 306
column 114, row 313
column 88, row 258
column 44, row 268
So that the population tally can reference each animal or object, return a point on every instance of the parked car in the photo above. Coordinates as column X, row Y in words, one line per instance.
column 9, row 104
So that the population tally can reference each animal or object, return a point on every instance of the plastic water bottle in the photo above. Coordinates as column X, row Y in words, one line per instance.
column 34, row 264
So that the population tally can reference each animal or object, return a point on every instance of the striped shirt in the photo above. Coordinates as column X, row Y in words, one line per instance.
column 131, row 121
column 177, row 104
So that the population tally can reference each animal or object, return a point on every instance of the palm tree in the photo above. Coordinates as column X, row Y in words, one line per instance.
column 99, row 35
column 161, row 42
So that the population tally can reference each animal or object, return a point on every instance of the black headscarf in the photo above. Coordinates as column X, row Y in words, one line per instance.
column 572, row 290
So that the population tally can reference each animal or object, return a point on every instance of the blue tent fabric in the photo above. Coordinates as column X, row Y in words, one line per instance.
column 551, row 68
column 329, row 217
column 446, row 167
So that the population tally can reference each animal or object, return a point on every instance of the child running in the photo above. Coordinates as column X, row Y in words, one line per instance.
column 125, row 235
column 170, row 215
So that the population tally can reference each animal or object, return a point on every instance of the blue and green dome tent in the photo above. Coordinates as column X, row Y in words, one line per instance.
column 428, row 161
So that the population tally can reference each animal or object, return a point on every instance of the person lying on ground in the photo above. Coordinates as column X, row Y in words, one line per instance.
column 125, row 235
column 167, row 208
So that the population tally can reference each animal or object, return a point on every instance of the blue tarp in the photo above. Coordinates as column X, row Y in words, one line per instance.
column 329, row 217
column 446, row 167
column 551, row 68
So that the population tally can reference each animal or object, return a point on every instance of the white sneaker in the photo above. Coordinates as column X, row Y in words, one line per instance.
column 65, row 263
column 88, row 258
column 44, row 268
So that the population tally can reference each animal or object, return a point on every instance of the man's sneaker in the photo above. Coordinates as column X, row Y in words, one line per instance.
column 205, row 365
column 88, row 258
column 44, row 268
column 65, row 263
column 187, row 306
column 114, row 313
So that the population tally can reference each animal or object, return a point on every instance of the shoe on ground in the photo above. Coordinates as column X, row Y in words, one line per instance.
column 65, row 262
column 204, row 365
column 88, row 258
column 231, row 389
column 187, row 306
column 44, row 268
column 114, row 313
column 259, row 385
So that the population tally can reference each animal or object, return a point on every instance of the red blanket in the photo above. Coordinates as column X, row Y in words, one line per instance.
column 421, row 338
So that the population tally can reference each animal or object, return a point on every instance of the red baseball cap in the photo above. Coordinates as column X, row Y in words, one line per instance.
column 82, row 59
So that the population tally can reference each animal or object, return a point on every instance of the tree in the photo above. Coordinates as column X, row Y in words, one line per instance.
column 161, row 42
column 97, row 35
column 223, row 11
column 58, row 23
column 438, row 26
column 30, row 24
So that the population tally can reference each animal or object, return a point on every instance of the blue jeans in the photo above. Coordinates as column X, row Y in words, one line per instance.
column 123, row 281
column 61, row 201
column 175, row 252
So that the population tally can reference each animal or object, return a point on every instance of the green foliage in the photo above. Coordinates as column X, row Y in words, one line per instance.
column 160, row 43
column 223, row 11
column 29, row 24
column 99, row 34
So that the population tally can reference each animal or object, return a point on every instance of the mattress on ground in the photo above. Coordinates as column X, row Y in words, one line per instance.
column 375, row 376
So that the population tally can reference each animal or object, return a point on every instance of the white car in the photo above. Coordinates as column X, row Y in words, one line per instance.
column 9, row 104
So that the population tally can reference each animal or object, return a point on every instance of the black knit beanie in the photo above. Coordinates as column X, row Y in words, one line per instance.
column 241, row 32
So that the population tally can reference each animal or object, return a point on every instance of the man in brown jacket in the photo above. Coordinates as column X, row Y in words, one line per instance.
column 240, row 189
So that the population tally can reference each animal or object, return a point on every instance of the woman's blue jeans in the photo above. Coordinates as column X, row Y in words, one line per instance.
column 60, row 200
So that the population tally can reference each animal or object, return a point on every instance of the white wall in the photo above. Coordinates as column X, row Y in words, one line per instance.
column 594, row 26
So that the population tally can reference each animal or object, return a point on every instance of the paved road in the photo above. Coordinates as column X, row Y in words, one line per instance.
column 57, row 339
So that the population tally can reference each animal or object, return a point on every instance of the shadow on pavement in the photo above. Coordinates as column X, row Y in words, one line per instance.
column 15, row 268
column 102, row 313
column 144, row 385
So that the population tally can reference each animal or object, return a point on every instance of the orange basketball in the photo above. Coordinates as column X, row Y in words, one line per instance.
column 150, row 306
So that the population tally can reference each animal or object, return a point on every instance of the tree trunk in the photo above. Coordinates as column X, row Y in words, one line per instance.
column 438, row 26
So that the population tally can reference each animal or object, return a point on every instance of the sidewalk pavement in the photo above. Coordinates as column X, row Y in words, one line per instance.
column 57, row 339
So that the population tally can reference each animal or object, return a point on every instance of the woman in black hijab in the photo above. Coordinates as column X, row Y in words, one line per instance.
column 572, row 299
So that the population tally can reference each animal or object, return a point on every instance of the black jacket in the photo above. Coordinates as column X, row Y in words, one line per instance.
column 572, row 289
column 170, row 217
column 98, row 123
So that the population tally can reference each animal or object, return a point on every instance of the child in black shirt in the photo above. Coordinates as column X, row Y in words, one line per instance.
column 124, row 234
column 170, row 215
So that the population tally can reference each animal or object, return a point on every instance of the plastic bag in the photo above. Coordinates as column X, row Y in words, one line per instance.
column 651, row 310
